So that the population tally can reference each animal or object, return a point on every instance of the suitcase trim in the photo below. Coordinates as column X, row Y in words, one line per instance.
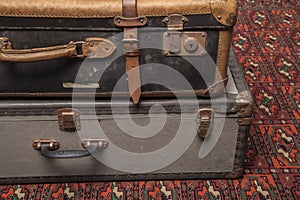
column 223, row 11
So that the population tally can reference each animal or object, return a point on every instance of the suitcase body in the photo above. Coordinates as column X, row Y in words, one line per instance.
column 56, row 42
column 190, row 140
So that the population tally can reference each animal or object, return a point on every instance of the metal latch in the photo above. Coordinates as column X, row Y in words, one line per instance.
column 68, row 119
column 179, row 43
column 205, row 121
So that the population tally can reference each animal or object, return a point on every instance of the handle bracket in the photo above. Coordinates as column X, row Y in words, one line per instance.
column 49, row 148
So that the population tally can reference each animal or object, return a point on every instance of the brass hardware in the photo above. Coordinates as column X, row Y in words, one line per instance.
column 97, row 48
column 102, row 143
column 205, row 120
column 54, row 145
column 184, row 43
column 245, row 103
column 68, row 119
column 172, row 43
column 130, row 22
column 175, row 22
column 244, row 121
column 177, row 43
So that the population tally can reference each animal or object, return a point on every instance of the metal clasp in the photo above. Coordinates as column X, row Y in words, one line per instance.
column 179, row 43
column 175, row 21
column 205, row 121
column 68, row 119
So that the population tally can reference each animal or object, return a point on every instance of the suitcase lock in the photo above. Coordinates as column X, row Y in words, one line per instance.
column 177, row 42
column 68, row 119
column 205, row 121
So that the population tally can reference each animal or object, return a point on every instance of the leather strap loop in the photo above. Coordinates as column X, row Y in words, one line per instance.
column 132, row 52
column 129, row 8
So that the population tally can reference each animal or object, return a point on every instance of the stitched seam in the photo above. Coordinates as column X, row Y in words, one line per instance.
column 220, row 46
column 93, row 16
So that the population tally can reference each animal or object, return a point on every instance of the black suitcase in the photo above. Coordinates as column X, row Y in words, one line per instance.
column 44, row 42
column 61, row 140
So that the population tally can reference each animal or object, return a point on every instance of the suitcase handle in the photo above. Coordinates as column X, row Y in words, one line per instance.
column 91, row 47
column 49, row 148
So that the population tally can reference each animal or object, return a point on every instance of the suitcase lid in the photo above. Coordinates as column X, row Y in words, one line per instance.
column 223, row 11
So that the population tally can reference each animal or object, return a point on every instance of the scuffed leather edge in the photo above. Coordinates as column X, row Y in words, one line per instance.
column 224, row 11
column 223, row 54
column 109, row 9
column 99, row 8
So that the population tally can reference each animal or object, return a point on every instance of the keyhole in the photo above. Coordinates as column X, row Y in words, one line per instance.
column 191, row 44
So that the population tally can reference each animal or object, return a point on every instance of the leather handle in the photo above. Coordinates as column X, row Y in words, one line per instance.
column 50, row 148
column 101, row 48
column 38, row 54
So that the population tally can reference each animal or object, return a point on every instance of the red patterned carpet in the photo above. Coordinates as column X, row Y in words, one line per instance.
column 267, row 43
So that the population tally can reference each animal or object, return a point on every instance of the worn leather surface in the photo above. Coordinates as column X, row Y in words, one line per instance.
column 101, row 48
column 225, row 11
column 111, row 8
column 223, row 53
column 41, row 54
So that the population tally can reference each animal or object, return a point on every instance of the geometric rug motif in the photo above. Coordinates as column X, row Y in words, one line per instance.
column 266, row 40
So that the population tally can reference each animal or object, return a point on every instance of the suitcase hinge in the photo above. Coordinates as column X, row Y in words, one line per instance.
column 68, row 119
column 175, row 22
column 205, row 120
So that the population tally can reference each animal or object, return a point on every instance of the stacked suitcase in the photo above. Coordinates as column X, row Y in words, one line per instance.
column 120, row 90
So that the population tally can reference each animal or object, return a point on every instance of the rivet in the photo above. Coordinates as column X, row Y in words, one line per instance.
column 183, row 19
column 141, row 20
column 219, row 17
column 119, row 21
column 167, row 20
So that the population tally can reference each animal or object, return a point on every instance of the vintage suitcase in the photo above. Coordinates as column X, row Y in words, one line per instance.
column 46, row 41
column 192, row 139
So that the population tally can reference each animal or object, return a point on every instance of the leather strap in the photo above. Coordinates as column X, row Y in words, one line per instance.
column 132, row 52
